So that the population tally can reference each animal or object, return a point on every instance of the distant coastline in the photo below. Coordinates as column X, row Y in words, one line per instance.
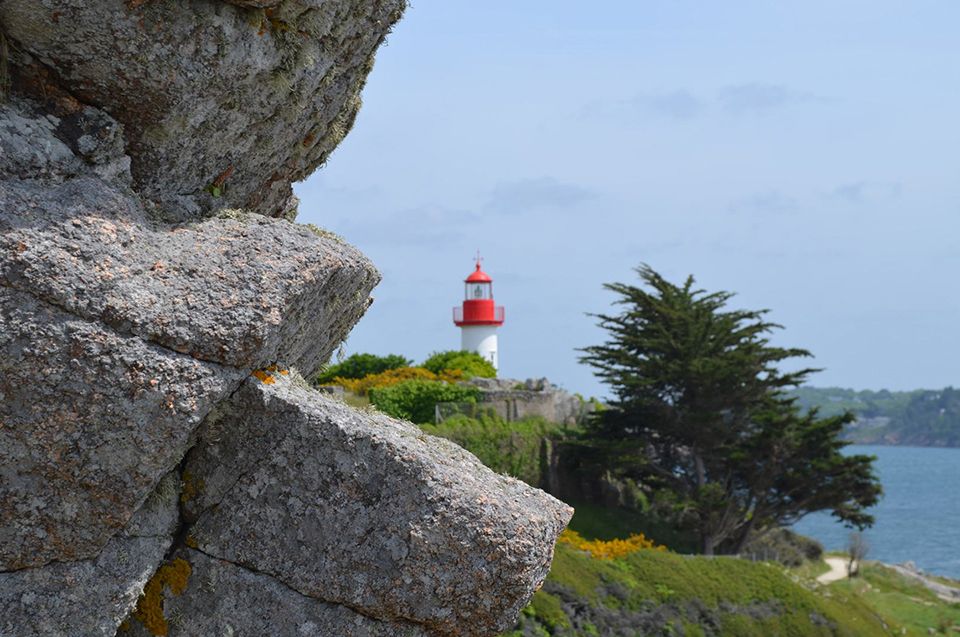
column 918, row 418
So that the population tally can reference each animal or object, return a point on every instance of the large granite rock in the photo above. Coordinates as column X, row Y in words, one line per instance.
column 221, row 598
column 242, row 292
column 89, row 422
column 223, row 105
column 139, row 287
column 119, row 335
column 359, row 509
column 91, row 597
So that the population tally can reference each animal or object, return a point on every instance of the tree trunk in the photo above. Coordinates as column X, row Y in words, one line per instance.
column 700, row 469
column 708, row 544
column 744, row 536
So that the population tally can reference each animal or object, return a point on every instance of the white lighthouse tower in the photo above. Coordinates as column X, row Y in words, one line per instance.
column 478, row 318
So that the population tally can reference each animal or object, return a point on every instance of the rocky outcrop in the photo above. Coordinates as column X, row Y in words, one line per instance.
column 223, row 104
column 160, row 471
column 390, row 521
column 221, row 598
column 92, row 596
column 89, row 422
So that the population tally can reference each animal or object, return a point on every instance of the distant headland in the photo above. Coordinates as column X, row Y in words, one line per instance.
column 920, row 418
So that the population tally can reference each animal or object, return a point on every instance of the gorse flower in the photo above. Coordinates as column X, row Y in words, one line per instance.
column 609, row 549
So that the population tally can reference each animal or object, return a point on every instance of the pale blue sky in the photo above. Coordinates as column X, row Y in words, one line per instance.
column 802, row 154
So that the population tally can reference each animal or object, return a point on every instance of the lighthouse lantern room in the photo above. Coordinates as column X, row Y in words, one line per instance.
column 478, row 318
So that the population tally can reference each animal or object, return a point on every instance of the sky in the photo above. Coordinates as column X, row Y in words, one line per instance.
column 804, row 155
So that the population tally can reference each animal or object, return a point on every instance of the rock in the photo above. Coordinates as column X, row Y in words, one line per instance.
column 146, row 149
column 224, row 599
column 89, row 423
column 224, row 105
column 245, row 291
column 91, row 597
column 359, row 509
column 29, row 147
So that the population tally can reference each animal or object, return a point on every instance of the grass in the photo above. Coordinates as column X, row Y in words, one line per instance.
column 810, row 570
column 695, row 595
column 901, row 601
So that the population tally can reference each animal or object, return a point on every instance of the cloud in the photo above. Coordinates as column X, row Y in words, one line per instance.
column 771, row 201
column 748, row 98
column 678, row 104
column 516, row 197
column 861, row 191
column 425, row 225
column 757, row 98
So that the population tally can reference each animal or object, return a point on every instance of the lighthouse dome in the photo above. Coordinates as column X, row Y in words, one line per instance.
column 478, row 276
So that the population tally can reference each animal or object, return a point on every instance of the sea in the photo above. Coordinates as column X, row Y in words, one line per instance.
column 918, row 518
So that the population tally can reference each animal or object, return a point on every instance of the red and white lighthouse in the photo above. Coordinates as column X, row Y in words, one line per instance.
column 478, row 318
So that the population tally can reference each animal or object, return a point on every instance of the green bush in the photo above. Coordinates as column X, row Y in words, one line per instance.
column 360, row 365
column 416, row 400
column 513, row 448
column 470, row 363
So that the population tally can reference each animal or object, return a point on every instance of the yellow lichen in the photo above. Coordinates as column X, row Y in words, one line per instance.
column 191, row 542
column 191, row 487
column 173, row 576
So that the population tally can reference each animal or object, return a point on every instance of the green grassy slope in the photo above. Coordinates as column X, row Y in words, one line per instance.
column 660, row 593
column 902, row 601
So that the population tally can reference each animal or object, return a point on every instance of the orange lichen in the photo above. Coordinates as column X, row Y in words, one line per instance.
column 223, row 177
column 172, row 576
column 609, row 549
column 264, row 376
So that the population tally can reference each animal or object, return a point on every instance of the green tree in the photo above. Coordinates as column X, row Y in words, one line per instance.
column 361, row 365
column 699, row 389
column 416, row 400
column 470, row 363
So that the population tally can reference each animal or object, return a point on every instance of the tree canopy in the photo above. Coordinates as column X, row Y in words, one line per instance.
column 699, row 388
column 470, row 363
column 361, row 365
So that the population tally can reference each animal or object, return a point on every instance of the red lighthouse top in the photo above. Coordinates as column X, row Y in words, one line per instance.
column 478, row 307
column 478, row 276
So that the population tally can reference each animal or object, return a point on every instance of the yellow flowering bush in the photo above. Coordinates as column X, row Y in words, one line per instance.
column 393, row 376
column 609, row 549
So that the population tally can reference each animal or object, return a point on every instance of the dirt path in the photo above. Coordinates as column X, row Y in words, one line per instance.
column 838, row 570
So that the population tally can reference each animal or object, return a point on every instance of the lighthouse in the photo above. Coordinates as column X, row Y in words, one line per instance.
column 478, row 318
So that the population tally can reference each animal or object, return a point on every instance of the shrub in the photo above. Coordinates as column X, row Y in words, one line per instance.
column 469, row 363
column 360, row 365
column 609, row 549
column 416, row 400
column 784, row 546
column 362, row 386
column 513, row 448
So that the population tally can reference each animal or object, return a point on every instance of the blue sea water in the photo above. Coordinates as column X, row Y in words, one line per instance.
column 918, row 518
